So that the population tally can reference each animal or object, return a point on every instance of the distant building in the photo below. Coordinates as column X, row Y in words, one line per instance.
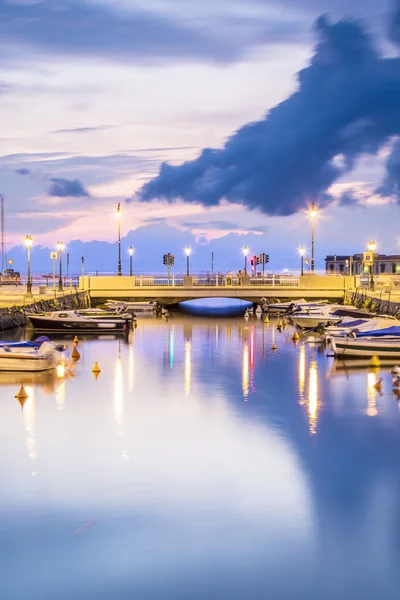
column 384, row 264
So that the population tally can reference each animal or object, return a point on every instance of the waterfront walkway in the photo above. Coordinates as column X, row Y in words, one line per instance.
column 11, row 295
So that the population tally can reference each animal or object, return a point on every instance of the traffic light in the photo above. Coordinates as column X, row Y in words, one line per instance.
column 172, row 260
column 165, row 259
column 266, row 258
column 252, row 260
column 259, row 259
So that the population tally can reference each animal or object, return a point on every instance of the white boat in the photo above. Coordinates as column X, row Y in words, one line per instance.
column 277, row 308
column 383, row 347
column 70, row 320
column 131, row 306
column 330, row 314
column 32, row 360
column 349, row 325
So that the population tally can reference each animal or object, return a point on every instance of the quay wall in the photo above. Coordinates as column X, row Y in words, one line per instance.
column 15, row 315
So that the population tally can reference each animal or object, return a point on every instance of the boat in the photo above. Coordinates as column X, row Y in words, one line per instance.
column 278, row 308
column 99, row 313
column 70, row 320
column 358, row 326
column 131, row 306
column 30, row 360
column 327, row 315
column 383, row 347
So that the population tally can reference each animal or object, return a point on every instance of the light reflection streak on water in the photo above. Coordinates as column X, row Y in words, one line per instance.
column 131, row 366
column 30, row 420
column 171, row 347
column 188, row 366
column 60, row 395
column 372, row 410
column 245, row 370
column 252, row 354
column 302, row 373
column 119, row 405
column 313, row 397
column 118, row 395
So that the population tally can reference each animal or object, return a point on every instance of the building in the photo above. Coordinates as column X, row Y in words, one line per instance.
column 384, row 264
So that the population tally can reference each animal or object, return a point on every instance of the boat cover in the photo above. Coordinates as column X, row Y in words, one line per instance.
column 393, row 331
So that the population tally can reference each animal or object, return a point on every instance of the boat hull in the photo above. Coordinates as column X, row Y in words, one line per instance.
column 310, row 321
column 88, row 325
column 28, row 364
column 366, row 348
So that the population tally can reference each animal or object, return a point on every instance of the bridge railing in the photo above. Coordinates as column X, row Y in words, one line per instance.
column 215, row 281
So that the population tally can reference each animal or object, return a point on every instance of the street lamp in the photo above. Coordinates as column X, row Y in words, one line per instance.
column 28, row 243
column 119, row 239
column 60, row 247
column 302, row 252
column 313, row 214
column 131, row 251
column 187, row 252
column 372, row 248
column 245, row 252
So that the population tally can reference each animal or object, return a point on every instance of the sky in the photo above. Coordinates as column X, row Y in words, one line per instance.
column 214, row 124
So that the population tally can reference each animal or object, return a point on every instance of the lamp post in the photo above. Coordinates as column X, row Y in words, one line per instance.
column 245, row 252
column 60, row 247
column 187, row 252
column 372, row 248
column 28, row 243
column 313, row 214
column 302, row 252
column 131, row 251
column 119, row 239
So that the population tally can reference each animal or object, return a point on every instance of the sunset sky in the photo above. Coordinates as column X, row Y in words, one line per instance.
column 96, row 94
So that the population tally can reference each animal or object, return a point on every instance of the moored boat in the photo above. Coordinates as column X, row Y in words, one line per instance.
column 70, row 320
column 31, row 360
column 383, row 347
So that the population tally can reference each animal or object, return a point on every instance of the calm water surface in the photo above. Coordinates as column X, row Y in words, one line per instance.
column 200, row 464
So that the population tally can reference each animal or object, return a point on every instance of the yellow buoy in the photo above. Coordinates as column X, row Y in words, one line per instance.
column 22, row 393
column 295, row 336
column 285, row 321
column 76, row 340
column 375, row 362
column 135, row 324
column 75, row 353
column 266, row 320
column 96, row 368
column 273, row 347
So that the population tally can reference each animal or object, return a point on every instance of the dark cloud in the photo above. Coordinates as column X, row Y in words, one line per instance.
column 346, row 105
column 83, row 28
column 84, row 129
column 225, row 225
column 391, row 184
column 63, row 188
column 22, row 171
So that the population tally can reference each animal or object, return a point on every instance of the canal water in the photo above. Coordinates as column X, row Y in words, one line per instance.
column 200, row 464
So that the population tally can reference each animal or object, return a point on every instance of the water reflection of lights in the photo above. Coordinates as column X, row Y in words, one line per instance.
column 29, row 418
column 313, row 397
column 171, row 347
column 61, row 371
column 245, row 370
column 188, row 366
column 372, row 410
column 118, row 394
column 302, row 373
column 131, row 367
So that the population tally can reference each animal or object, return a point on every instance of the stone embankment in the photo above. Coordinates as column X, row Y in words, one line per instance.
column 376, row 302
column 15, row 316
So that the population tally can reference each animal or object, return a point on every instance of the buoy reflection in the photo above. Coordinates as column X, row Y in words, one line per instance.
column 118, row 393
column 313, row 397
